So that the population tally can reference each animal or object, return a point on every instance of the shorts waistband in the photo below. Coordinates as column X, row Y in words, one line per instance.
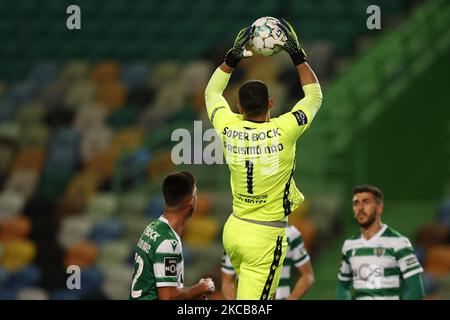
column 275, row 224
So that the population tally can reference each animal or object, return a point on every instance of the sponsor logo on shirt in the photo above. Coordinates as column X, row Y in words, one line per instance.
column 301, row 118
column 411, row 261
column 170, row 267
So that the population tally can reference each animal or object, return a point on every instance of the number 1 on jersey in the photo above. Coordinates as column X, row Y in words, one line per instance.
column 249, row 167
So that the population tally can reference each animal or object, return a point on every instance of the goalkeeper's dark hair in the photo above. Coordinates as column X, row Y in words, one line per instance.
column 177, row 186
column 379, row 197
column 254, row 97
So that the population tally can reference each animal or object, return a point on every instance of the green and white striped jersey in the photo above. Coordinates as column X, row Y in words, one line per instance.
column 376, row 266
column 158, row 261
column 296, row 256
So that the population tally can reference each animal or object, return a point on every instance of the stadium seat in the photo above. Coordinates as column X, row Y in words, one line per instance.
column 22, row 182
column 201, row 231
column 30, row 113
column 29, row 159
column 80, row 93
column 15, row 228
column 122, row 118
column 64, row 294
column 127, row 139
column 11, row 204
column 7, row 154
column 134, row 203
column 105, row 72
column 9, row 131
column 91, row 281
column 74, row 71
column 111, row 95
column 94, row 141
column 106, row 230
column 74, row 229
column 102, row 206
column 134, row 226
column 155, row 207
column 443, row 214
column 114, row 252
column 43, row 73
column 35, row 136
column 32, row 293
column 25, row 277
column 18, row 254
column 438, row 260
column 117, row 282
column 135, row 75
column 83, row 254
column 89, row 116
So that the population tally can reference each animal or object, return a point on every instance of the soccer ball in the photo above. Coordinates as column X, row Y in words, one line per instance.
column 267, row 39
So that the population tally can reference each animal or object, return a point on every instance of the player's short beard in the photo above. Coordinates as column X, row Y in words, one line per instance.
column 371, row 219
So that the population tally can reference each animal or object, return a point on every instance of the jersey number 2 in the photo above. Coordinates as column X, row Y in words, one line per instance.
column 140, row 262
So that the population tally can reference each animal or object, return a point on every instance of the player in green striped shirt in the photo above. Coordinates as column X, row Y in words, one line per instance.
column 296, row 257
column 260, row 153
column 159, row 267
column 378, row 263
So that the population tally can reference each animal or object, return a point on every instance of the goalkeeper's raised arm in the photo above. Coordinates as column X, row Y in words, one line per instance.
column 217, row 107
column 308, row 79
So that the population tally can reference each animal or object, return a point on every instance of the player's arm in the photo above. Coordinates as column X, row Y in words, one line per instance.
column 343, row 288
column 343, row 291
column 304, row 283
column 302, row 262
column 204, row 286
column 304, row 110
column 228, row 283
column 410, row 270
column 413, row 288
column 228, row 278
column 215, row 102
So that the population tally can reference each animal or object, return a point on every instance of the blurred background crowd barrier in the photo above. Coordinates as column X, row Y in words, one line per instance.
column 86, row 118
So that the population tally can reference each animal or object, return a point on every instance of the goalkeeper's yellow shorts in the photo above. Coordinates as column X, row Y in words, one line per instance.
column 257, row 253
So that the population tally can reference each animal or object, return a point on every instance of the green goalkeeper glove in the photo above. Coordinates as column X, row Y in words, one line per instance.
column 292, row 46
column 235, row 54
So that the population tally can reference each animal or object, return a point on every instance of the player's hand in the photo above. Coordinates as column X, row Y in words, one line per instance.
column 292, row 45
column 238, row 51
column 209, row 283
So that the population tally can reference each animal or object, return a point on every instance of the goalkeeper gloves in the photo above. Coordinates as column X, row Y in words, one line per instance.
column 237, row 52
column 292, row 46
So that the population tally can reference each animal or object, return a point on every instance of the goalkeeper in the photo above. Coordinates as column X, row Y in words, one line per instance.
column 260, row 153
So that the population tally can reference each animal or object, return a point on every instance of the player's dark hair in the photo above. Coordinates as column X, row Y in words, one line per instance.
column 177, row 186
column 379, row 197
column 254, row 97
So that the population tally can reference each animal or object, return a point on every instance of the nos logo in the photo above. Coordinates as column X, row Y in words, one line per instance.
column 170, row 267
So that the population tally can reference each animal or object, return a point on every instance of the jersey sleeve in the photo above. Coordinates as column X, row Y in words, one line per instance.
column 219, row 112
column 345, row 270
column 300, row 117
column 407, row 261
column 165, row 265
column 298, row 251
column 226, row 265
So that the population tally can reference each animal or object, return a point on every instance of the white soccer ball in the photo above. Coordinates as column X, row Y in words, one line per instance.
column 267, row 39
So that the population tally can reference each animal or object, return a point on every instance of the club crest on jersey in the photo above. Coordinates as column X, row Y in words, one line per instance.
column 379, row 251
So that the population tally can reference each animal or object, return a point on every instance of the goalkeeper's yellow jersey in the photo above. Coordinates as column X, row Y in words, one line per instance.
column 261, row 156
